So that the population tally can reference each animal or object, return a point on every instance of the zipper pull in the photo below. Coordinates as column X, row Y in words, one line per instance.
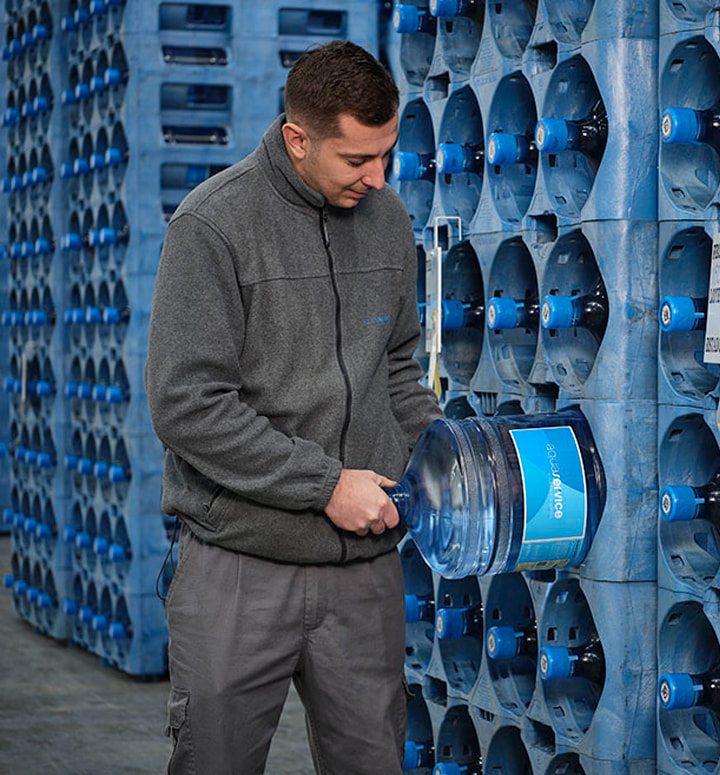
column 323, row 228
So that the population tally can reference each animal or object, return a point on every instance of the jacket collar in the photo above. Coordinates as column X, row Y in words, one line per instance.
column 283, row 176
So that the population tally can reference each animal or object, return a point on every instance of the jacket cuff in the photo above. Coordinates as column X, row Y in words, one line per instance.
column 331, row 479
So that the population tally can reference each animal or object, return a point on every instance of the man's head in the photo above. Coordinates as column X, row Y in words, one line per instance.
column 341, row 106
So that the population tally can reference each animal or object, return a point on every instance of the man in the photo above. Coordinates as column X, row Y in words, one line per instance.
column 280, row 378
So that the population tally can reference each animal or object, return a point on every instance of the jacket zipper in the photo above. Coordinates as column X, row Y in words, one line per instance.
column 338, row 352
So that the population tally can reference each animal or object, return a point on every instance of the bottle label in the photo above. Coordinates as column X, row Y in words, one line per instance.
column 554, row 496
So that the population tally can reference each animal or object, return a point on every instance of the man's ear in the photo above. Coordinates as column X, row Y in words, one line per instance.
column 297, row 141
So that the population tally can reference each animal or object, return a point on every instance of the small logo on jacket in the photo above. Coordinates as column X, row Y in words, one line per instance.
column 380, row 320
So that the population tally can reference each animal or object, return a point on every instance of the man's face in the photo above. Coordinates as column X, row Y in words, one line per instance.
column 344, row 168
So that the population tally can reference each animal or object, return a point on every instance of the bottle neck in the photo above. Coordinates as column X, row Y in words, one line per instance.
column 400, row 496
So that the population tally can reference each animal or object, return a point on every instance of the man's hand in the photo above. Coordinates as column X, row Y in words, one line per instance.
column 360, row 505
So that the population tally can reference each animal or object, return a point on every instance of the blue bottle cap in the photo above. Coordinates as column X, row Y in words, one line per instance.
column 501, row 313
column 31, row 593
column 8, row 581
column 677, row 314
column 39, row 32
column 70, row 607
column 81, row 166
column 42, row 246
column 678, row 503
column 44, row 600
column 413, row 609
column 412, row 758
column 453, row 314
column 8, row 517
column 555, row 663
column 82, row 91
column 112, row 76
column 100, row 470
column 502, row 643
column 114, row 395
column 679, row 125
column 83, row 540
column 406, row 18
column 85, row 466
column 447, row 768
column 67, row 23
column 68, row 97
column 502, row 148
column 84, row 392
column 99, row 623
column 117, row 553
column 97, row 84
column 85, row 614
column 41, row 104
column 406, row 166
column 69, row 534
column 113, row 156
column 450, row 158
column 100, row 546
column 552, row 135
column 117, row 631
column 93, row 315
column 44, row 460
column 97, row 161
column 444, row 7
column 449, row 623
column 97, row 7
column 108, row 235
column 677, row 691
column 557, row 312
column 43, row 531
column 117, row 474
column 21, row 587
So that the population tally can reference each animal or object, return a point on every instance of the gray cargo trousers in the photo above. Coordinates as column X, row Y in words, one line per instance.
column 241, row 628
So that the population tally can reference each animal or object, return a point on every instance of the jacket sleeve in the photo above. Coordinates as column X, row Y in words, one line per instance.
column 414, row 406
column 193, row 380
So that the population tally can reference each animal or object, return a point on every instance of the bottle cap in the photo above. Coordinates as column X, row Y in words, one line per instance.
column 677, row 314
column 411, row 759
column 501, row 313
column 450, row 158
column 447, row 768
column 676, row 691
column 557, row 312
column 413, row 609
column 406, row 166
column 444, row 7
column 453, row 314
column 406, row 18
column 552, row 135
column 502, row 148
column 678, row 503
column 502, row 643
column 679, row 125
column 449, row 623
column 555, row 663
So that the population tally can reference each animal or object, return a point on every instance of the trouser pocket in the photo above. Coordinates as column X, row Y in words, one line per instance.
column 182, row 759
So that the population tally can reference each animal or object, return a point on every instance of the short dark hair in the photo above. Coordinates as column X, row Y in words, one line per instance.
column 339, row 78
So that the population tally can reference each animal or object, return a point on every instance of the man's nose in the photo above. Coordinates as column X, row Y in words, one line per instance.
column 375, row 174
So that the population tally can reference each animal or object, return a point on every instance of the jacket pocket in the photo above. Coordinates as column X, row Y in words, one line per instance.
column 182, row 759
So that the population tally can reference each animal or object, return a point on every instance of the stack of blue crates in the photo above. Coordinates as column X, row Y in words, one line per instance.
column 688, row 437
column 115, row 109
column 555, row 224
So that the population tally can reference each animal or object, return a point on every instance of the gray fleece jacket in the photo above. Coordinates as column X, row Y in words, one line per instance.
column 280, row 351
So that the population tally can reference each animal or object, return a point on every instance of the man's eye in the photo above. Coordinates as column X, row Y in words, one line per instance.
column 355, row 163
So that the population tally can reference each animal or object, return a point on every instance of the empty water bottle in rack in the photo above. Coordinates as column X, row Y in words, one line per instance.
column 504, row 312
column 452, row 158
column 452, row 623
column 685, row 690
column 511, row 493
column 680, row 314
column 414, row 166
column 506, row 148
column 450, row 8
column 685, row 125
column 419, row 608
column 418, row 753
column 587, row 135
column 681, row 502
column 505, row 643
column 589, row 311
column 411, row 19
column 557, row 663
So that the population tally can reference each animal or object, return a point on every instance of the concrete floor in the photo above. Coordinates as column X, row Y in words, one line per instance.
column 62, row 712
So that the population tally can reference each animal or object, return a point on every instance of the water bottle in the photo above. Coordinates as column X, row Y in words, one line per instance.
column 587, row 135
column 450, row 8
column 419, row 608
column 505, row 148
column 685, row 125
column 557, row 663
column 453, row 623
column 505, row 313
column 411, row 19
column 452, row 158
column 414, row 166
column 680, row 314
column 589, row 311
column 511, row 493
column 685, row 690
column 506, row 643
column 418, row 753
column 681, row 503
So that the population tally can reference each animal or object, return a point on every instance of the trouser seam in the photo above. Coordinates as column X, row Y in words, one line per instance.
column 316, row 742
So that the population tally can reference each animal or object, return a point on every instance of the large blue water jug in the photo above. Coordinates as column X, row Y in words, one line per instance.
column 511, row 493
